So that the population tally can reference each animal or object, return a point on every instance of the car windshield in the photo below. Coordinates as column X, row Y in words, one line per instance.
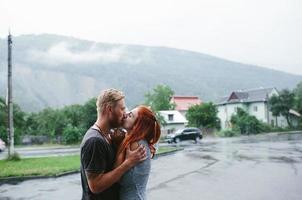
column 179, row 131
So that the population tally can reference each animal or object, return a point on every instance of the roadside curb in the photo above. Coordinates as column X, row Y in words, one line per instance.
column 289, row 132
column 15, row 180
column 167, row 153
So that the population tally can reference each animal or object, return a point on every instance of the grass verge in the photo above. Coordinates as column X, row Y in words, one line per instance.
column 48, row 166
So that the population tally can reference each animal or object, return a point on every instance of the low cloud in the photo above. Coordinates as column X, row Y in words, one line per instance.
column 62, row 53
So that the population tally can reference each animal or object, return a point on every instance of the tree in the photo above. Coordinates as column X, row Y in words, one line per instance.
column 89, row 113
column 50, row 122
column 281, row 105
column 203, row 116
column 31, row 123
column 57, row 123
column 274, row 106
column 74, row 114
column 71, row 134
column 3, row 120
column 19, row 121
column 159, row 98
column 298, row 97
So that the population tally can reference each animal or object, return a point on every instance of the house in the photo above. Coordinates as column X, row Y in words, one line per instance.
column 254, row 102
column 295, row 117
column 183, row 103
column 174, row 121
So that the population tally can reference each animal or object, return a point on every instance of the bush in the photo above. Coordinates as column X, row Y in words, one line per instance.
column 265, row 128
column 247, row 124
column 228, row 133
column 3, row 134
column 14, row 157
column 71, row 134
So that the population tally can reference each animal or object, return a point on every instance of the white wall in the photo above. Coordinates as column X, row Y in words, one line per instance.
column 225, row 113
column 261, row 112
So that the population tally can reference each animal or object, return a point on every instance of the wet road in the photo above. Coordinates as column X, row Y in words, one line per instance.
column 246, row 168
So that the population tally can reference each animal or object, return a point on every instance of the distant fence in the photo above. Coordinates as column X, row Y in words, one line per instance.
column 39, row 139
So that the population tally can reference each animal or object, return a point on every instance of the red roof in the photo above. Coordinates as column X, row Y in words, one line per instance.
column 183, row 103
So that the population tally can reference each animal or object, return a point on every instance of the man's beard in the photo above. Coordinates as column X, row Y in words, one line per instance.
column 115, row 122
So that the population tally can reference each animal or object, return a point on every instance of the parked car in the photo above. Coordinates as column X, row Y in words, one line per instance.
column 2, row 145
column 184, row 134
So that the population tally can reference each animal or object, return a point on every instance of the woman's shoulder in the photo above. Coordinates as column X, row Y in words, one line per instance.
column 143, row 142
column 135, row 145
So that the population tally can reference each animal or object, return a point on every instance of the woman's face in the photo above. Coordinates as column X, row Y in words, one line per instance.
column 131, row 117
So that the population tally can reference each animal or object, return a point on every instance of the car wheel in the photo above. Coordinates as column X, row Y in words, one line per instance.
column 197, row 139
column 177, row 140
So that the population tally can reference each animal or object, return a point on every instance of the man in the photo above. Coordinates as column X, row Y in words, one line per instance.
column 98, row 176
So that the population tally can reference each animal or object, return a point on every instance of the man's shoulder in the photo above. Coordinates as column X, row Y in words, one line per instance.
column 92, row 136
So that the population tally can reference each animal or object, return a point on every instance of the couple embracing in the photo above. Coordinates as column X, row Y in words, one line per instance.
column 115, row 165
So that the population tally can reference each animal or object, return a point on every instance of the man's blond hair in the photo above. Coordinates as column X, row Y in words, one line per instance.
column 108, row 97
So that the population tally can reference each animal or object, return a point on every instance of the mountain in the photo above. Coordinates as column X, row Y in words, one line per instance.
column 53, row 71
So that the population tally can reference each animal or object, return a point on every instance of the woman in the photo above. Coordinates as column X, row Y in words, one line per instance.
column 142, row 129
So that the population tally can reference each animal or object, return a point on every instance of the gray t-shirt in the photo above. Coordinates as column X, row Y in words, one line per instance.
column 134, row 182
column 97, row 156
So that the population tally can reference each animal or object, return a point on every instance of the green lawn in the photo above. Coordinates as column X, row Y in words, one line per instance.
column 166, row 149
column 47, row 166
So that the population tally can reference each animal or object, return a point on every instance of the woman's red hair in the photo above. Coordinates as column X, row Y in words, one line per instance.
column 146, row 127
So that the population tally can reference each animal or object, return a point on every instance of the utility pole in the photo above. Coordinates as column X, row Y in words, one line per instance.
column 10, row 98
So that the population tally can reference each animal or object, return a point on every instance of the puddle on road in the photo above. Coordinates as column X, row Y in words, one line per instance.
column 258, row 159
column 241, row 157
column 47, row 190
column 212, row 149
column 292, row 138
column 5, row 198
column 282, row 159
column 201, row 156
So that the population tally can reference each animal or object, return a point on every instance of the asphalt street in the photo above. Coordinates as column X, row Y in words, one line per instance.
column 245, row 168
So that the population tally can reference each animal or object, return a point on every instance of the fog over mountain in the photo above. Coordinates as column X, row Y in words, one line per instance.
column 53, row 71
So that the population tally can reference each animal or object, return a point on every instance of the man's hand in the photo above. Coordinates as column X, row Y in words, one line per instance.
column 135, row 156
column 117, row 137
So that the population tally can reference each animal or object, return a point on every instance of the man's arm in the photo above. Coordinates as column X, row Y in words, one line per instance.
column 119, row 159
column 100, row 182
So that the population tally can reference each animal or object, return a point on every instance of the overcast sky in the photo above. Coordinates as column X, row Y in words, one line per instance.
column 262, row 32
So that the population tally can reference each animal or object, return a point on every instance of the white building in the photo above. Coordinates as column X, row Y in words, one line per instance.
column 254, row 102
column 174, row 121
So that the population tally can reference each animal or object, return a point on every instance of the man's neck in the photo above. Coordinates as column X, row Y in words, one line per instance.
column 103, row 125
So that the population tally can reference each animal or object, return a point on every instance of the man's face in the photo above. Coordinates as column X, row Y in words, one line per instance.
column 117, row 114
